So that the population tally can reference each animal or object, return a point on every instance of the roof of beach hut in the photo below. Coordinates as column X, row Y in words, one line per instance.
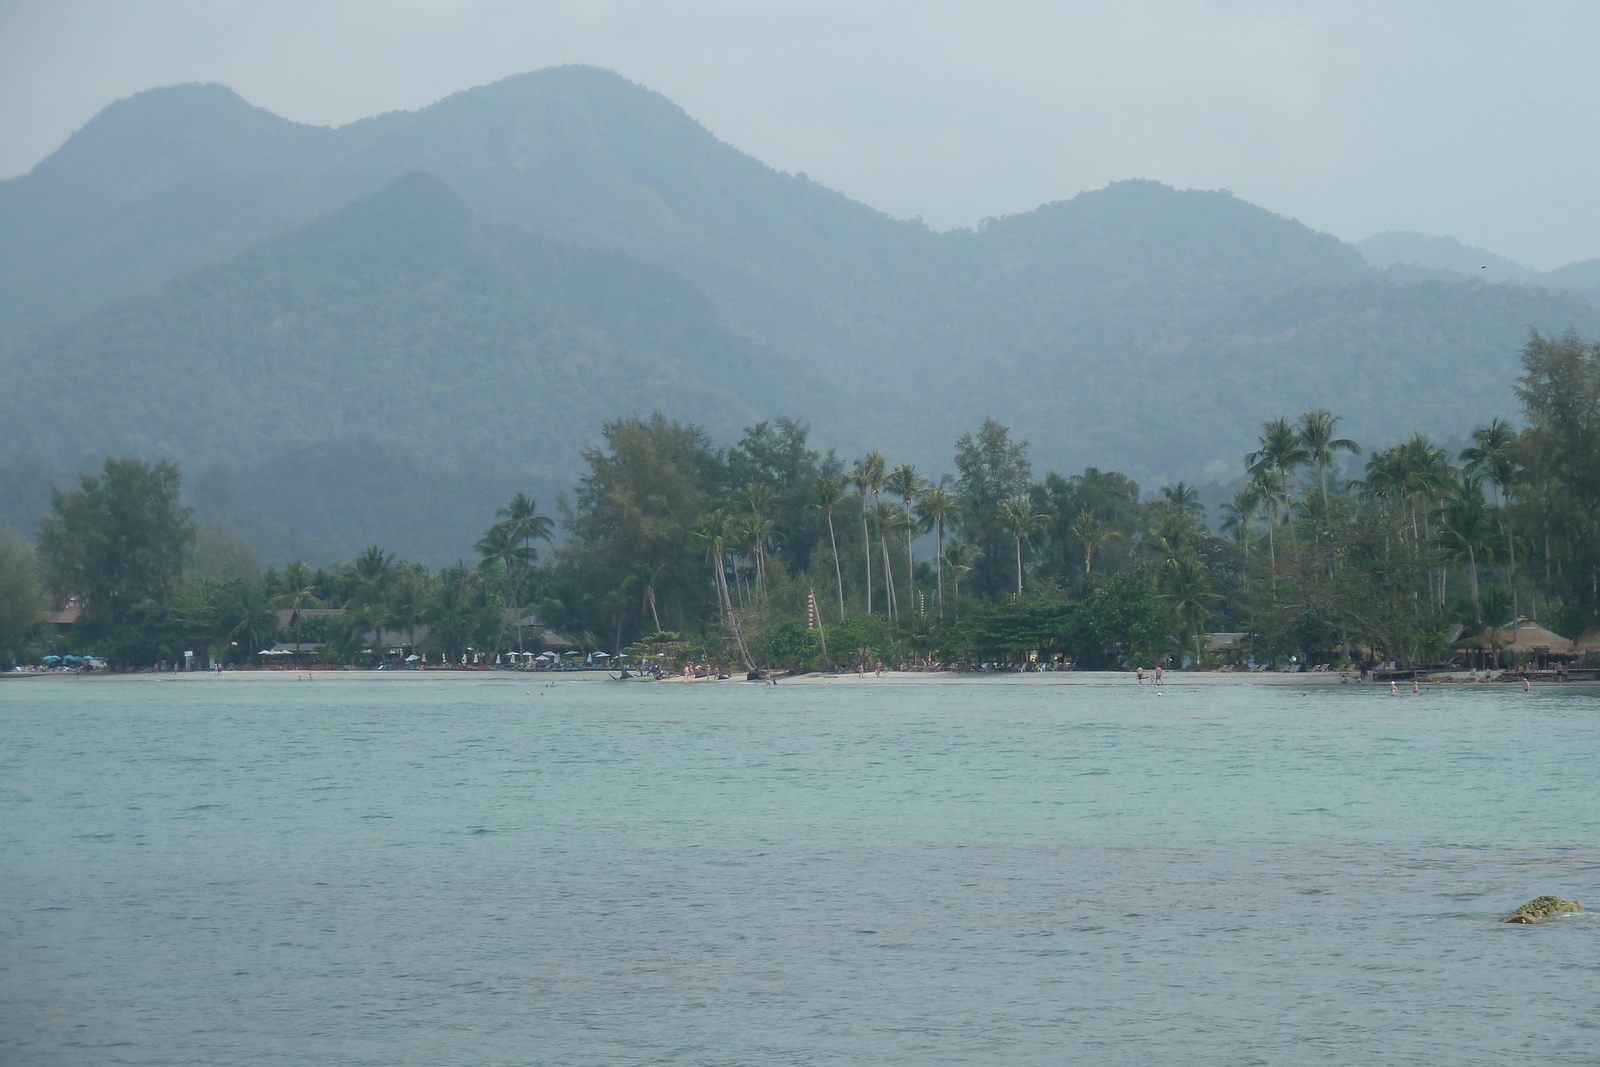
column 1588, row 641
column 1524, row 637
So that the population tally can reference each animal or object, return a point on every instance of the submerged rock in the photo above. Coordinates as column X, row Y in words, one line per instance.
column 1542, row 908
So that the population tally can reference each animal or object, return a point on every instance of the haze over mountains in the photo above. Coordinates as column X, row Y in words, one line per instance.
column 331, row 326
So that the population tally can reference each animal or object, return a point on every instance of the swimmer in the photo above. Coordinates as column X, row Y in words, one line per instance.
column 1414, row 686
column 1525, row 686
column 1393, row 688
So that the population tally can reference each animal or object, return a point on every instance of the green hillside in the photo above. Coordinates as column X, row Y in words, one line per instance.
column 473, row 354
column 192, row 276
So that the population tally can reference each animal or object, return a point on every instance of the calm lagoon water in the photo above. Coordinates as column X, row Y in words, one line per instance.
column 456, row 871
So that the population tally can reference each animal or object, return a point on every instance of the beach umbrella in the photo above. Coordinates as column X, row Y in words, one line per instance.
column 71, row 659
column 51, row 659
column 602, row 655
column 413, row 658
column 574, row 653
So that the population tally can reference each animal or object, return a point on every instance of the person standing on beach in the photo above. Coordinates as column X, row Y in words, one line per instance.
column 1140, row 672
column 1158, row 674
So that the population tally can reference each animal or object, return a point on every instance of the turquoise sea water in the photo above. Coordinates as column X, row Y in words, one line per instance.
column 461, row 871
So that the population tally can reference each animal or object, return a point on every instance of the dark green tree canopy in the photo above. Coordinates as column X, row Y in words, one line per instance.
column 118, row 541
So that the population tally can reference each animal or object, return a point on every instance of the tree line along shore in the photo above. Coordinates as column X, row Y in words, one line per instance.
column 773, row 553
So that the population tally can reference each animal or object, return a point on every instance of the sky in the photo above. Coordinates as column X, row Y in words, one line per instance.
column 1467, row 119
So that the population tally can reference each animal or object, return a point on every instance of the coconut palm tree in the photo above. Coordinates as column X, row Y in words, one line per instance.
column 302, row 597
column 960, row 556
column 522, row 516
column 1188, row 588
column 827, row 493
column 1490, row 454
column 937, row 507
column 908, row 485
column 1278, row 449
column 1093, row 535
column 1237, row 515
column 404, row 608
column 888, row 518
column 1466, row 530
column 500, row 543
column 1314, row 432
column 1267, row 485
column 1019, row 517
column 862, row 478
column 1185, row 498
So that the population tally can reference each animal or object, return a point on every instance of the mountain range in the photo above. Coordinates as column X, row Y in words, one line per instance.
column 375, row 332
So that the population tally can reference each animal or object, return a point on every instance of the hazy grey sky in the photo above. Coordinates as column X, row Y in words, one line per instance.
column 1475, row 120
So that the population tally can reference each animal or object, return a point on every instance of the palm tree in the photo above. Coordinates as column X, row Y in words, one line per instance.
column 1466, row 529
column 1315, row 435
column 712, row 529
column 827, row 493
column 1278, row 449
column 1093, row 535
column 1185, row 498
column 1188, row 585
column 905, row 481
column 959, row 556
column 302, row 597
column 521, row 514
column 1491, row 454
column 1019, row 517
column 862, row 478
column 247, row 617
column 888, row 518
column 500, row 543
column 1237, row 515
column 404, row 608
column 761, row 498
column 1267, row 485
column 938, row 506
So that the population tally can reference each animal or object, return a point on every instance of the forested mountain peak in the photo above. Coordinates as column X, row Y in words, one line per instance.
column 1152, row 231
column 148, row 141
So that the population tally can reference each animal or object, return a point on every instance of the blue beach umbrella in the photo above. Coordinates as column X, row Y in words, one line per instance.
column 71, row 659
column 51, row 659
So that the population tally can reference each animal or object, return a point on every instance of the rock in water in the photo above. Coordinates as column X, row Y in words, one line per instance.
column 1542, row 908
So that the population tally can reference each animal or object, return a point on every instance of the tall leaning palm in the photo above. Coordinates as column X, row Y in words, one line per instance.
column 938, row 507
column 827, row 493
column 888, row 519
column 1314, row 432
column 1020, row 518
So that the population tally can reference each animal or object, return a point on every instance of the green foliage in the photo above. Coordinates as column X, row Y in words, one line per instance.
column 119, row 541
column 21, row 601
column 787, row 644
column 377, row 359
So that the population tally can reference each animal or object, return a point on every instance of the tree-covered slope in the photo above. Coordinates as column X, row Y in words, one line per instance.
column 398, row 322
column 594, row 224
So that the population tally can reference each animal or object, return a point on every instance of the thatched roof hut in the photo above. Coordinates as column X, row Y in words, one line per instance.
column 1523, row 637
column 1588, row 641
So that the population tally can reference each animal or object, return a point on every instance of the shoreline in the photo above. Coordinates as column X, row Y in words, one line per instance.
column 1057, row 678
